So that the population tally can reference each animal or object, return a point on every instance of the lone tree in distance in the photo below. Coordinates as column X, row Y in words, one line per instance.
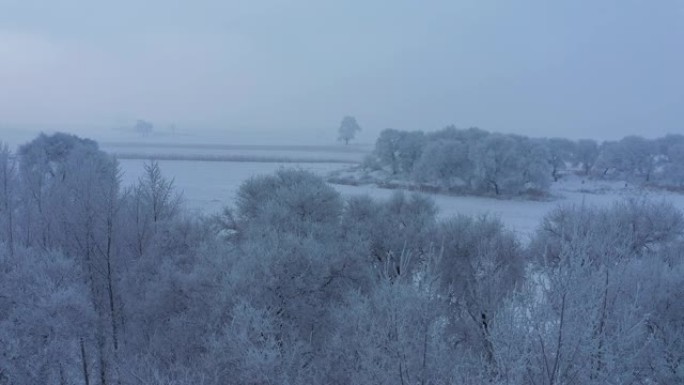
column 348, row 129
column 143, row 127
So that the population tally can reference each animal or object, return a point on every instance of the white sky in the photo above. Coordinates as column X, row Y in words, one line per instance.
column 289, row 70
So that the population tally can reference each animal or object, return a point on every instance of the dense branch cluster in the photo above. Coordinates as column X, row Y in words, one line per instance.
column 475, row 161
column 296, row 285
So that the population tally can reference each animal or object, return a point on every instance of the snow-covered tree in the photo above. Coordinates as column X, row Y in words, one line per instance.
column 150, row 204
column 396, row 334
column 445, row 163
column 399, row 150
column 313, row 288
column 561, row 153
column 143, row 127
column 672, row 160
column 633, row 157
column 393, row 236
column 348, row 129
column 586, row 153
column 627, row 229
column 71, row 193
column 387, row 148
column 599, row 301
column 536, row 170
column 497, row 162
column 480, row 266
column 290, row 201
column 46, row 319
column 9, row 188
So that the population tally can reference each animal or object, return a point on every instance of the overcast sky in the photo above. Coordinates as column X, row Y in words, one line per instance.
column 574, row 68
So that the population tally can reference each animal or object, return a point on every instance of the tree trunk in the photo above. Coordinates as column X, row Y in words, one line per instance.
column 496, row 187
column 112, row 312
column 7, row 171
column 84, row 360
column 10, row 230
column 110, row 285
column 489, row 349
column 598, row 363
column 103, row 359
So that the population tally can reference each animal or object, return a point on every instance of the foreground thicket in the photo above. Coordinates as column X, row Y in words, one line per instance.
column 294, row 285
column 475, row 161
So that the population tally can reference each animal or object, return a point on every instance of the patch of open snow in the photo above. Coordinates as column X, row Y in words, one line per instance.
column 207, row 186
column 199, row 152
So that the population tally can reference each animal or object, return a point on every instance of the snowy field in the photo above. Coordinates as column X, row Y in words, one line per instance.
column 208, row 186
column 282, row 153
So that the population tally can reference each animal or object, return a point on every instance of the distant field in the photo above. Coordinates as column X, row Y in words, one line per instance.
column 239, row 153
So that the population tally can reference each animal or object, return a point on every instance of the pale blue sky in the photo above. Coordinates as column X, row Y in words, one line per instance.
column 575, row 68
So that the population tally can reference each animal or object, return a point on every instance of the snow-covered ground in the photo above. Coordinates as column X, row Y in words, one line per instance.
column 314, row 153
column 209, row 186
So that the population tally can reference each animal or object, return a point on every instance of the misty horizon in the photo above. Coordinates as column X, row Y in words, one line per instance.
column 289, row 72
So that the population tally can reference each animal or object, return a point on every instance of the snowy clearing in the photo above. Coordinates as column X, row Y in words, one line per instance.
column 209, row 186
column 218, row 152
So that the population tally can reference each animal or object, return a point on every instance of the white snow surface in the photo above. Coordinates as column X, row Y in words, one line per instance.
column 318, row 153
column 209, row 186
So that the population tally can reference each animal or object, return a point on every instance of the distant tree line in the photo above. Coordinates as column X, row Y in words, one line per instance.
column 296, row 285
column 479, row 162
column 652, row 161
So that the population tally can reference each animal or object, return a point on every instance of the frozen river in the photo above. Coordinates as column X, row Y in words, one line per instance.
column 208, row 186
